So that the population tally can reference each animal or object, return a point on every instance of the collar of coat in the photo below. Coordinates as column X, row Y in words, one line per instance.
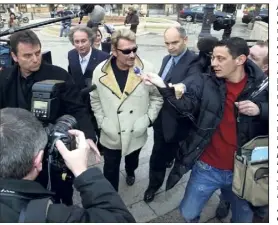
column 109, row 79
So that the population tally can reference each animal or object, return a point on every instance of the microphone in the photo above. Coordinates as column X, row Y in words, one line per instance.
column 87, row 90
column 137, row 71
column 95, row 13
column 207, row 44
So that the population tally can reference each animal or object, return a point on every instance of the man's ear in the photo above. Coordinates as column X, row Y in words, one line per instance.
column 114, row 51
column 37, row 164
column 185, row 40
column 14, row 57
column 265, row 68
column 241, row 60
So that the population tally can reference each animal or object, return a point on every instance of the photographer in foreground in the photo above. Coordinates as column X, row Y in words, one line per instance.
column 16, row 91
column 22, row 140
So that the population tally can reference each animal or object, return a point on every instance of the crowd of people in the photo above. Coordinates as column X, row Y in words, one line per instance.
column 199, row 105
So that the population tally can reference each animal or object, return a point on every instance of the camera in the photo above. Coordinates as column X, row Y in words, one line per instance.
column 223, row 23
column 45, row 106
column 46, row 99
column 55, row 132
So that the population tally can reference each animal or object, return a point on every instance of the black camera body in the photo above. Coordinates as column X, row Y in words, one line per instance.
column 45, row 99
column 55, row 132
column 222, row 23
column 46, row 106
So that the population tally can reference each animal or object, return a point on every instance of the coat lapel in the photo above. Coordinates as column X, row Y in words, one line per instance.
column 77, row 63
column 132, row 82
column 109, row 79
column 91, row 64
column 176, row 72
column 164, row 62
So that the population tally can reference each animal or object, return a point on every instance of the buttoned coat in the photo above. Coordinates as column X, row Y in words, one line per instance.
column 124, row 117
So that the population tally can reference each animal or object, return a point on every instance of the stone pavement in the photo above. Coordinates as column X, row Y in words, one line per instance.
column 164, row 206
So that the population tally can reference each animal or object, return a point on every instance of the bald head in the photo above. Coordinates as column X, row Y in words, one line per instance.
column 259, row 55
column 181, row 31
column 175, row 40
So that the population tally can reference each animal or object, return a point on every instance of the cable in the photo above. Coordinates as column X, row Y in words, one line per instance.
column 191, row 117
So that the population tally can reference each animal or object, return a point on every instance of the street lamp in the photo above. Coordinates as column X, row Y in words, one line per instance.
column 207, row 21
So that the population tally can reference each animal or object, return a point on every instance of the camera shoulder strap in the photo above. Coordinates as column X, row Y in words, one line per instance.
column 35, row 211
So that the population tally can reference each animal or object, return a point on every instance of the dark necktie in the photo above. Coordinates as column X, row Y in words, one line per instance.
column 170, row 69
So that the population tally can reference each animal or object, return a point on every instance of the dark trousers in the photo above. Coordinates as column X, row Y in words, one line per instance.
column 162, row 153
column 112, row 160
column 133, row 28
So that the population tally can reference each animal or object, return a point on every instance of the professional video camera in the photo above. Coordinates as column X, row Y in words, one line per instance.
column 225, row 23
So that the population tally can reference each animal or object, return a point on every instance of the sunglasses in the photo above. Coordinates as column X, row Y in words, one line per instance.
column 128, row 51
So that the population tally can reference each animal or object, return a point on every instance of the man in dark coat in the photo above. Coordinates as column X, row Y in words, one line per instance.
column 132, row 19
column 16, row 91
column 83, row 60
column 23, row 139
column 226, row 116
column 167, row 128
column 259, row 55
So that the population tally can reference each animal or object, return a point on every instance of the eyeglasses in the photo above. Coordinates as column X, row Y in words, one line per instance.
column 128, row 51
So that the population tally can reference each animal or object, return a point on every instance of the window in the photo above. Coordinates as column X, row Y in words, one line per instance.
column 239, row 6
column 197, row 9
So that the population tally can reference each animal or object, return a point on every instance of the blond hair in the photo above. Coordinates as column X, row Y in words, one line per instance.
column 125, row 34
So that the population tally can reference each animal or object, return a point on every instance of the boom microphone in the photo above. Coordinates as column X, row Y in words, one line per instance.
column 97, row 15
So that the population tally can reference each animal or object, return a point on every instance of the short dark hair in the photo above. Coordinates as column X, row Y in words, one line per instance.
column 22, row 136
column 25, row 36
column 236, row 46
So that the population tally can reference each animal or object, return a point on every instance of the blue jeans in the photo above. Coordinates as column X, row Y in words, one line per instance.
column 259, row 211
column 204, row 181
column 64, row 29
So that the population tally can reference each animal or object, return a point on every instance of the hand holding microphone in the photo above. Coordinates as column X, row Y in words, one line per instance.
column 150, row 78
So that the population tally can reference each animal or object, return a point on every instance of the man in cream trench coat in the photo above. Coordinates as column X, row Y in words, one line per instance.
column 124, row 106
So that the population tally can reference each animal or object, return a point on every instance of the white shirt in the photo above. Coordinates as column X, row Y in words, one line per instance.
column 100, row 47
column 84, row 61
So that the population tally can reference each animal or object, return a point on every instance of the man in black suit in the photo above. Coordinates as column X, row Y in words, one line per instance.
column 168, row 129
column 16, row 92
column 83, row 59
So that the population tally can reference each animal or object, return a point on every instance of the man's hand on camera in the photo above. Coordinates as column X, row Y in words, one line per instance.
column 76, row 160
column 93, row 147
